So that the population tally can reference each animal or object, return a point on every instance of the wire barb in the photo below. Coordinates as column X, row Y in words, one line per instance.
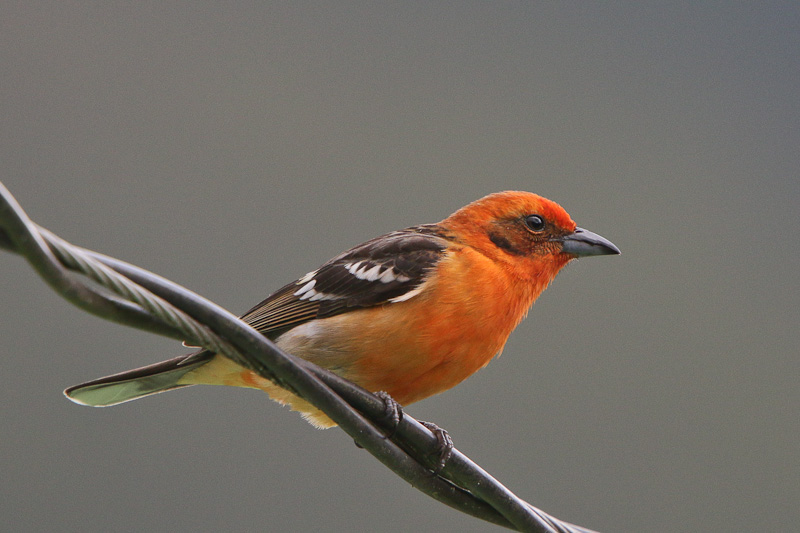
column 127, row 294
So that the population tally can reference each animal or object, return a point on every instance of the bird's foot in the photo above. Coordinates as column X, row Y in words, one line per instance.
column 444, row 446
column 392, row 413
column 391, row 416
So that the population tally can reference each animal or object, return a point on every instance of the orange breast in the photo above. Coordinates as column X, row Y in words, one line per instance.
column 434, row 341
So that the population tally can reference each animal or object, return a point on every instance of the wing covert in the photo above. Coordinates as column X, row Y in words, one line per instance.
column 387, row 269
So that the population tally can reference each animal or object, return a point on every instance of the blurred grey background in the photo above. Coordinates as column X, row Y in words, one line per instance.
column 232, row 148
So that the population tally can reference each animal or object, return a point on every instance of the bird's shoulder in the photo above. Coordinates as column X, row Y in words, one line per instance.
column 384, row 270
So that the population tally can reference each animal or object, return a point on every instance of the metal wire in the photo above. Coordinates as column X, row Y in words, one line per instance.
column 144, row 300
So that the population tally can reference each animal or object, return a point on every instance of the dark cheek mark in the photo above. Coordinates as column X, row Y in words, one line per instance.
column 504, row 244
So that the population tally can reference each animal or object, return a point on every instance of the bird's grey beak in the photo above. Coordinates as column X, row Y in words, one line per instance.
column 581, row 243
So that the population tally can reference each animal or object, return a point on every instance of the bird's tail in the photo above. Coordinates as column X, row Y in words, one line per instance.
column 133, row 384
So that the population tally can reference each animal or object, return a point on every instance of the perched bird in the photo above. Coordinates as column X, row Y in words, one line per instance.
column 412, row 313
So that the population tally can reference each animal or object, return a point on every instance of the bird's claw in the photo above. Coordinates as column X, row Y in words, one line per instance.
column 391, row 416
column 392, row 413
column 444, row 445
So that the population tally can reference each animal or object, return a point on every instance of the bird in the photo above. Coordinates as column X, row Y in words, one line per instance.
column 411, row 313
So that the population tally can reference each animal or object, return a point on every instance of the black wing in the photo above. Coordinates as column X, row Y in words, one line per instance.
column 388, row 269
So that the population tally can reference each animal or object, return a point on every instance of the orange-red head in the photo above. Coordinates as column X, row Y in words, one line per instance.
column 534, row 236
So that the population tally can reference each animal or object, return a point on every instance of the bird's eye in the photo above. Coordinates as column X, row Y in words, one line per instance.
column 534, row 222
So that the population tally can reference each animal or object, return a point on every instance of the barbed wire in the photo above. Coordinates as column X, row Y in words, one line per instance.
column 124, row 293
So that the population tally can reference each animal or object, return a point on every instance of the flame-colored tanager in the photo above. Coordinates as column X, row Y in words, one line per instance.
column 412, row 313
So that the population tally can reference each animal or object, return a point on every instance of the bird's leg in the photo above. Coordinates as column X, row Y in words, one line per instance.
column 444, row 446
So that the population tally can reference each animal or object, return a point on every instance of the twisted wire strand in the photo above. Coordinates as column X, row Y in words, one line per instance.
column 76, row 258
